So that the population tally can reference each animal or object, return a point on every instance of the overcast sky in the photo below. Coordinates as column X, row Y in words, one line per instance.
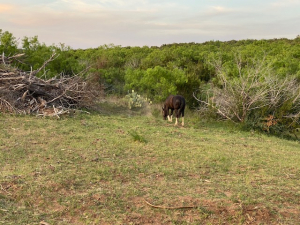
column 91, row 23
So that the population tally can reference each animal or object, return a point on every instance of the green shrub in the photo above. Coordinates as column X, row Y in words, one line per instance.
column 157, row 83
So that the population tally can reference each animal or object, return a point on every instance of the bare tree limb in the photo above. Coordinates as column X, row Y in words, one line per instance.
column 206, row 103
column 33, row 73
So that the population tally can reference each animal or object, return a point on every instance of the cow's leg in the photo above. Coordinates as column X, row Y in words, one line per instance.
column 168, row 111
column 177, row 115
column 170, row 118
column 182, row 114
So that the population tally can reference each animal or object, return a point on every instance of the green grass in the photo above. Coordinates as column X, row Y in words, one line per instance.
column 99, row 168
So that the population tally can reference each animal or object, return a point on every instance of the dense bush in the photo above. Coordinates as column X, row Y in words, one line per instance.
column 250, row 92
column 157, row 83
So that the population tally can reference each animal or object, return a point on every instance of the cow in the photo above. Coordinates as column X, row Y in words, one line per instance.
column 177, row 103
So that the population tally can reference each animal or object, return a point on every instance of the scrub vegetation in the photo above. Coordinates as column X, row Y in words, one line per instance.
column 236, row 160
column 246, row 81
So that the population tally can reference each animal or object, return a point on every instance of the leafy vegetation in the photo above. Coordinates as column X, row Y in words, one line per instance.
column 269, row 67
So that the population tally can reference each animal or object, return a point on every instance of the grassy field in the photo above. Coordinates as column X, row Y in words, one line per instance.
column 104, row 168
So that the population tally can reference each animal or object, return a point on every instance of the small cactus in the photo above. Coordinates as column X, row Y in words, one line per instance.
column 135, row 100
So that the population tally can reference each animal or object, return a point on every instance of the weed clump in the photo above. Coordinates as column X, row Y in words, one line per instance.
column 137, row 137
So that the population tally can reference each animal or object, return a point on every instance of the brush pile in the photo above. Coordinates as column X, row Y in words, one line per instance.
column 24, row 93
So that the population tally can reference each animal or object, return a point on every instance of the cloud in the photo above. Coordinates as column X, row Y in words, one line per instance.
column 219, row 10
column 285, row 3
column 5, row 8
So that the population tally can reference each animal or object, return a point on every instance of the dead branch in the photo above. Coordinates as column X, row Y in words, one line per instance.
column 5, row 106
column 3, row 58
column 23, row 92
column 168, row 207
column 33, row 73
column 16, row 56
column 206, row 103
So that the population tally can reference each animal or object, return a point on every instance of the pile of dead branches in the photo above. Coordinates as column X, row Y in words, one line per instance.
column 24, row 93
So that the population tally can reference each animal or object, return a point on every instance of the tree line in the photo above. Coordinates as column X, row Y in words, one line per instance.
column 246, row 81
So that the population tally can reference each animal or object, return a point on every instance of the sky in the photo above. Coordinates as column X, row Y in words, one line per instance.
column 92, row 23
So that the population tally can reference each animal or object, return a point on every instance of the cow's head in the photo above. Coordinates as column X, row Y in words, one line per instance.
column 164, row 112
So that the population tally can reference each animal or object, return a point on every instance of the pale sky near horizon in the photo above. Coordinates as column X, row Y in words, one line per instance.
column 91, row 23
